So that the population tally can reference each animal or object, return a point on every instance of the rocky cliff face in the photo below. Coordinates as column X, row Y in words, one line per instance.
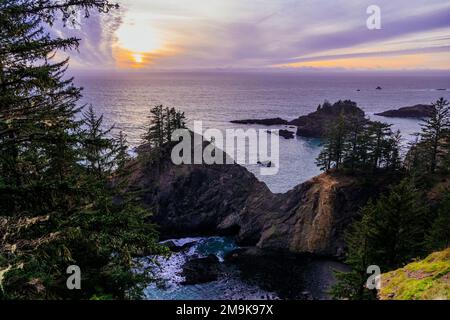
column 190, row 200
column 320, row 211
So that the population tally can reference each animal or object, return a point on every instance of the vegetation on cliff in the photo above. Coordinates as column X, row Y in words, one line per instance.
column 403, row 224
column 428, row 279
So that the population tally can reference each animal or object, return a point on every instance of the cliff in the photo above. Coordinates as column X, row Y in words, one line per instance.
column 189, row 200
column 428, row 279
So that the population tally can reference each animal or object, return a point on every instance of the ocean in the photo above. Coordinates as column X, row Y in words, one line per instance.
column 216, row 98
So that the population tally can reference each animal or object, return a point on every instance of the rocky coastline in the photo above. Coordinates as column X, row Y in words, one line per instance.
column 191, row 200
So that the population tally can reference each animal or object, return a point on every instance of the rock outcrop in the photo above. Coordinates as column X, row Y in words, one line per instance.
column 190, row 200
column 201, row 270
column 287, row 134
column 417, row 111
column 265, row 122
column 317, row 123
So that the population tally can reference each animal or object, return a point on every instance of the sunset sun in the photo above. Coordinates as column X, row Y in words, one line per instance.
column 138, row 38
column 138, row 58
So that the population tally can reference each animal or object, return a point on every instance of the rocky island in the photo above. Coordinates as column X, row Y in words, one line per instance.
column 315, row 124
column 417, row 111
column 265, row 122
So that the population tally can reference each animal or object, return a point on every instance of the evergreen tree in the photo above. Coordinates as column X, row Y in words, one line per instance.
column 352, row 285
column 121, row 150
column 98, row 149
column 355, row 155
column 378, row 133
column 334, row 146
column 56, row 196
column 163, row 121
column 399, row 226
column 391, row 233
column 155, row 135
column 435, row 136
column 392, row 154
column 438, row 237
column 358, row 144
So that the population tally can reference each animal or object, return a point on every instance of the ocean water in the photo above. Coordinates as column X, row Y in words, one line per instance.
column 312, row 277
column 229, row 286
column 218, row 98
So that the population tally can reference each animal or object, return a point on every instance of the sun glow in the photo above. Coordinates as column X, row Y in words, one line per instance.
column 138, row 36
column 138, row 58
column 139, row 40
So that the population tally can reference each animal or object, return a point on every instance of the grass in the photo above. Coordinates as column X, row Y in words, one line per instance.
column 428, row 279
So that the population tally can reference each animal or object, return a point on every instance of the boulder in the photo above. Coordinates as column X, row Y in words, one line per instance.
column 174, row 248
column 201, row 270
column 287, row 134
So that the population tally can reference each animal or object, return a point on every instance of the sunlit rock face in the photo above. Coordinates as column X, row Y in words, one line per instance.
column 190, row 200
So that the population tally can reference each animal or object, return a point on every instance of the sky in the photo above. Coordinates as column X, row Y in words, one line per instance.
column 265, row 34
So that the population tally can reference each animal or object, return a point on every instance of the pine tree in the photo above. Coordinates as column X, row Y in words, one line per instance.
column 378, row 133
column 390, row 233
column 352, row 285
column 435, row 135
column 121, row 150
column 334, row 146
column 55, row 193
column 163, row 121
column 155, row 135
column 392, row 152
column 355, row 155
column 400, row 224
column 438, row 237
column 98, row 148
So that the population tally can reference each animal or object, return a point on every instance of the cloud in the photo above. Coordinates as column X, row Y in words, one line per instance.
column 260, row 33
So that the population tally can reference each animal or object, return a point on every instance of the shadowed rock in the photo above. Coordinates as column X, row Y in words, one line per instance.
column 191, row 200
column 201, row 270
column 317, row 123
column 287, row 134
